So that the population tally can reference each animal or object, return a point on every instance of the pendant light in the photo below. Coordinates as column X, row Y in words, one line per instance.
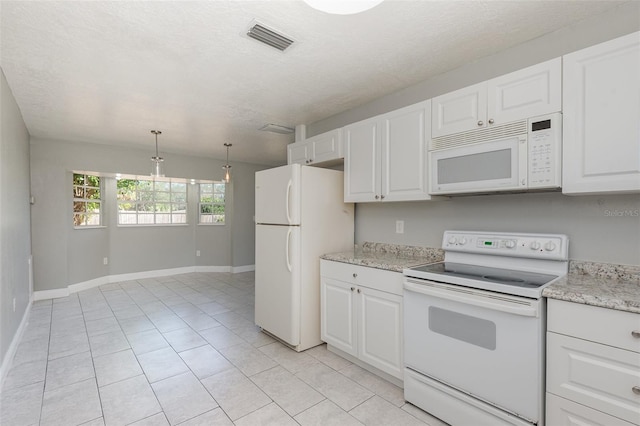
column 343, row 7
column 157, row 162
column 227, row 167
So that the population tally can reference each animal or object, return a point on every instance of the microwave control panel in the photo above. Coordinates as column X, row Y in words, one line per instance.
column 545, row 151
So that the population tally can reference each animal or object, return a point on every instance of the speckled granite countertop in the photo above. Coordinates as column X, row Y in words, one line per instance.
column 390, row 257
column 598, row 284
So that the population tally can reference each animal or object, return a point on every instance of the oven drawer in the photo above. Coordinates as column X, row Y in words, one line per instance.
column 608, row 326
column 604, row 378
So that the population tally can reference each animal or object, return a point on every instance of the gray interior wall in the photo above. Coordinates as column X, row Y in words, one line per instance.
column 601, row 228
column 64, row 255
column 15, row 234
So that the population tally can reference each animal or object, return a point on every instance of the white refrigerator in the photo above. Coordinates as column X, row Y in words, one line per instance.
column 300, row 215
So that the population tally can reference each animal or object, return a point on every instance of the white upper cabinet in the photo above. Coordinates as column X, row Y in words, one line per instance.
column 522, row 94
column 320, row 149
column 601, row 118
column 385, row 156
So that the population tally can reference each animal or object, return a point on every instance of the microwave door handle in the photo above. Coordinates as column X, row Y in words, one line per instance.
column 470, row 297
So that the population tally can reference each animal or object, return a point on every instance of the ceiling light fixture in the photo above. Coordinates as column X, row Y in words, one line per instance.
column 227, row 167
column 157, row 162
column 343, row 7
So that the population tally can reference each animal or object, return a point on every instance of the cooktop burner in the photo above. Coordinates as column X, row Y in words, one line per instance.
column 446, row 270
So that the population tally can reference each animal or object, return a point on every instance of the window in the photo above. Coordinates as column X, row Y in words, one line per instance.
column 87, row 200
column 149, row 202
column 211, row 205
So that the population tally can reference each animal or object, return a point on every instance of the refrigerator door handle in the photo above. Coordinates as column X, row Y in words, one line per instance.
column 289, row 186
column 287, row 250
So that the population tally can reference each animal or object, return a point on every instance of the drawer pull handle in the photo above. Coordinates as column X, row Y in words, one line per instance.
column 353, row 288
column 355, row 275
column 636, row 334
column 636, row 390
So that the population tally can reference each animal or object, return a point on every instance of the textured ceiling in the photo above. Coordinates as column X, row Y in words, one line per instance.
column 109, row 71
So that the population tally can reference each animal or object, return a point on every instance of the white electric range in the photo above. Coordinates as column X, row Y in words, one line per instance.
column 475, row 327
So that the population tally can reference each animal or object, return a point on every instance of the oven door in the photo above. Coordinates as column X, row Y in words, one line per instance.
column 485, row 344
column 499, row 165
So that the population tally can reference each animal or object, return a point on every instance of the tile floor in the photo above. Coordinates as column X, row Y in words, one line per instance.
column 182, row 350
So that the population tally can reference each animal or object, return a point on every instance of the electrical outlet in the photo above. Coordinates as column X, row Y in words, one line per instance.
column 399, row 226
column 197, row 253
column 105, row 261
column 14, row 304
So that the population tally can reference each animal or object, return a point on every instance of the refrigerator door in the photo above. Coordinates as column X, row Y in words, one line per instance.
column 277, row 305
column 278, row 195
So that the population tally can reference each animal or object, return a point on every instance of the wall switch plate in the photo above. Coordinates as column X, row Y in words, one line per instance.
column 197, row 253
column 399, row 226
column 105, row 261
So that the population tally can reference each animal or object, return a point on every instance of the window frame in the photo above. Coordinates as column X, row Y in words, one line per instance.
column 150, row 197
column 84, row 200
column 212, row 203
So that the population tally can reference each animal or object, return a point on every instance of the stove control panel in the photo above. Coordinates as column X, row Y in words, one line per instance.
column 538, row 246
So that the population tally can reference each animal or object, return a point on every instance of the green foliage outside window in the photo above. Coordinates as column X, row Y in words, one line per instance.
column 87, row 200
column 212, row 203
column 149, row 202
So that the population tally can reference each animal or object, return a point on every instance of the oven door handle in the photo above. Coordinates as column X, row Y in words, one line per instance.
column 486, row 300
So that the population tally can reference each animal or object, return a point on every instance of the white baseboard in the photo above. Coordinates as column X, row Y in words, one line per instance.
column 213, row 268
column 245, row 268
column 85, row 285
column 13, row 347
column 50, row 294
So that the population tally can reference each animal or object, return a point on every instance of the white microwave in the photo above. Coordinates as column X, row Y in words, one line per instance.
column 521, row 156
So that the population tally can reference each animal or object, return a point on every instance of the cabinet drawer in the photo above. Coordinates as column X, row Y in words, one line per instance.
column 601, row 325
column 598, row 376
column 561, row 411
column 377, row 279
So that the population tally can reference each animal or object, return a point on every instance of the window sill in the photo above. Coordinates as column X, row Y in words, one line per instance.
column 211, row 224
column 90, row 227
column 155, row 225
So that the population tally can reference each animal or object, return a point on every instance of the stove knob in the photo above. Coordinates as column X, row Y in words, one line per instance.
column 463, row 241
column 534, row 245
column 550, row 246
column 452, row 240
column 510, row 244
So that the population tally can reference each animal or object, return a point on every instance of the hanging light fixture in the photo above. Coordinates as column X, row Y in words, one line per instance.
column 227, row 167
column 343, row 7
column 157, row 162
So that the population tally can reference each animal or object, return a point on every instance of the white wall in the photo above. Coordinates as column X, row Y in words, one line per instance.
column 594, row 225
column 15, row 235
column 63, row 256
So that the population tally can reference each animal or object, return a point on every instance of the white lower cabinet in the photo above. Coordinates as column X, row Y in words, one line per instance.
column 361, row 314
column 593, row 376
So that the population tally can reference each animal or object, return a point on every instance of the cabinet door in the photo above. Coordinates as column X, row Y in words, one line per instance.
column 459, row 111
column 526, row 93
column 601, row 106
column 327, row 147
column 298, row 153
column 562, row 411
column 337, row 305
column 380, row 330
column 361, row 162
column 404, row 150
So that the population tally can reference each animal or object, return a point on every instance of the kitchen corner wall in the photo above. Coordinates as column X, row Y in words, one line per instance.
column 601, row 228
column 15, row 234
column 63, row 256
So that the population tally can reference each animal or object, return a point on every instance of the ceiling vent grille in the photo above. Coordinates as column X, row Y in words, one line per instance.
column 268, row 36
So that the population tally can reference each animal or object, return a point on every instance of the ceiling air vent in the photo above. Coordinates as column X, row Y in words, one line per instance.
column 268, row 36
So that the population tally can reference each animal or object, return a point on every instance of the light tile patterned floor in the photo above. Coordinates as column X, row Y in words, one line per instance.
column 182, row 350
